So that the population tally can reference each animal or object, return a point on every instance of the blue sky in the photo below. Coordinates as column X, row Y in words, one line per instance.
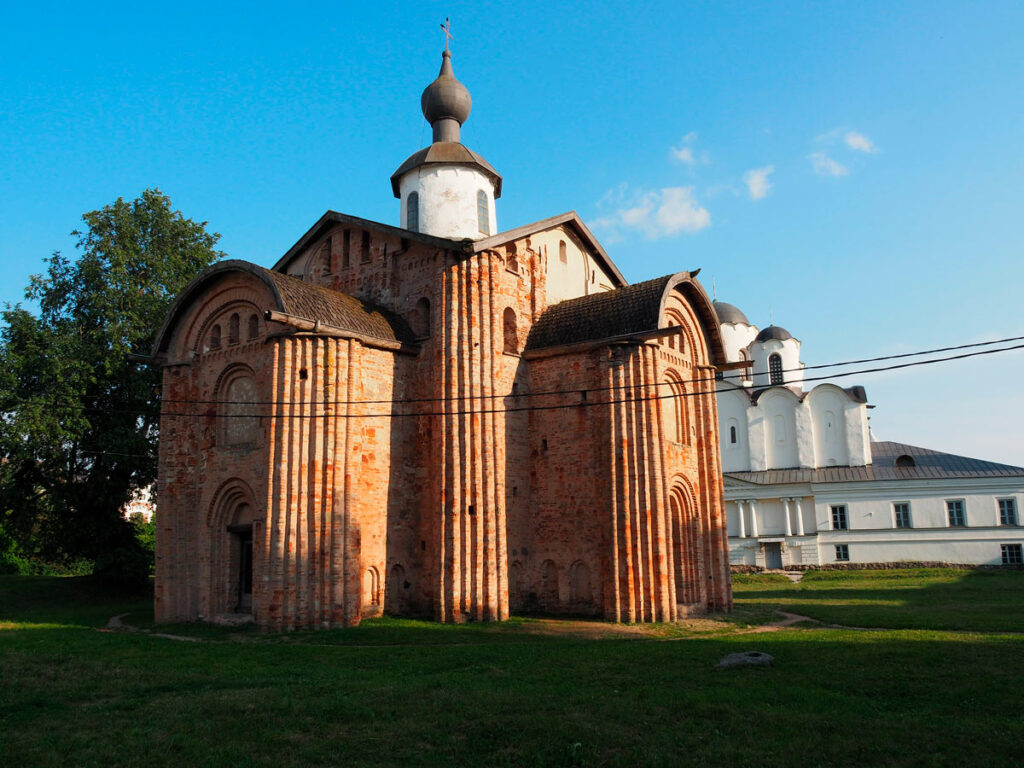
column 855, row 170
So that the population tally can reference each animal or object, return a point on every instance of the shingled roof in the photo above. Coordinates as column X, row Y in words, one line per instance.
column 630, row 310
column 927, row 464
column 302, row 300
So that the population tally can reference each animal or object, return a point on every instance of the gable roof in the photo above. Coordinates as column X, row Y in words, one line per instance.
column 293, row 297
column 466, row 246
column 331, row 218
column 628, row 311
column 928, row 464
column 569, row 219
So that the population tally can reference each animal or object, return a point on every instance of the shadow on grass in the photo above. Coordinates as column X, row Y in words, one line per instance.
column 69, row 601
column 887, row 698
column 940, row 599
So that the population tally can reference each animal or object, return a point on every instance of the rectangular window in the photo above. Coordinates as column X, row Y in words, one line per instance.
column 842, row 553
column 1007, row 511
column 839, row 521
column 1012, row 554
column 901, row 510
column 957, row 517
column 365, row 252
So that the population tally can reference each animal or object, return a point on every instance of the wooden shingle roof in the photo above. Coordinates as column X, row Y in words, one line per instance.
column 298, row 299
column 329, row 307
column 627, row 311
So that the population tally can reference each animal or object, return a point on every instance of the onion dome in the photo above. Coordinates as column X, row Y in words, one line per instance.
column 727, row 313
column 446, row 102
column 773, row 332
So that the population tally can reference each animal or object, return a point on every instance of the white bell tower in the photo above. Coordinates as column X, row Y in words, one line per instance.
column 446, row 189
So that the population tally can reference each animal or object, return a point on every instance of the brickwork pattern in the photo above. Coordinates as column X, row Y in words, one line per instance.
column 434, row 478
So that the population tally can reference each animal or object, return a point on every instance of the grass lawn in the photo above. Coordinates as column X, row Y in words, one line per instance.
column 917, row 598
column 527, row 692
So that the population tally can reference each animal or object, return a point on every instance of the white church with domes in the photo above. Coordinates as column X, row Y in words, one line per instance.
column 805, row 485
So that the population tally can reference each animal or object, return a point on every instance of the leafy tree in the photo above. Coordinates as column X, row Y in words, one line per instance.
column 79, row 416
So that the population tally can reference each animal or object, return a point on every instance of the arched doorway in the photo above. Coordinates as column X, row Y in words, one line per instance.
column 233, row 557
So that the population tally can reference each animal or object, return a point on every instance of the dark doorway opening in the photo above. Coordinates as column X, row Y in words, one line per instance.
column 773, row 556
column 242, row 535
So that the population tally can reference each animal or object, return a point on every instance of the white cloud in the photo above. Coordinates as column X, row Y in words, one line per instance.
column 859, row 142
column 756, row 179
column 684, row 152
column 826, row 166
column 656, row 214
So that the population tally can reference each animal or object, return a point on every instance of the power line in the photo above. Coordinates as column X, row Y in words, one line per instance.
column 583, row 391
column 559, row 406
column 821, row 366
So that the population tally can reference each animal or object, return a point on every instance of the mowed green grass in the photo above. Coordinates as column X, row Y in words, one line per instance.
column 913, row 598
column 410, row 693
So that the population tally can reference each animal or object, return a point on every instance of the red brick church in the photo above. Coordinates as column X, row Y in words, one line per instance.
column 439, row 420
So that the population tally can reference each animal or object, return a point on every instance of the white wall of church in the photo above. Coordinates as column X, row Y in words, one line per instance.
column 448, row 201
column 571, row 271
column 732, row 416
column 828, row 414
column 736, row 337
column 778, row 415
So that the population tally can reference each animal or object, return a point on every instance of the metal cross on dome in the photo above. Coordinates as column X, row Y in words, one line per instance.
column 447, row 27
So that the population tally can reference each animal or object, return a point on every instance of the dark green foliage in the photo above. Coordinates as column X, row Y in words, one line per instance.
column 79, row 417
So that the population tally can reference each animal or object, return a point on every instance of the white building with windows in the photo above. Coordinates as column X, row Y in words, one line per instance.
column 804, row 484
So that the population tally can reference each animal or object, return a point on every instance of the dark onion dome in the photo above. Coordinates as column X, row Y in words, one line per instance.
column 774, row 332
column 727, row 313
column 446, row 106
column 446, row 97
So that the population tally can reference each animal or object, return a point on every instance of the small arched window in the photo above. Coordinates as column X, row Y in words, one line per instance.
column 421, row 318
column 238, row 397
column 562, row 255
column 511, row 260
column 254, row 327
column 672, row 395
column 511, row 334
column 483, row 214
column 233, row 329
column 775, row 369
column 905, row 460
column 732, row 435
column 215, row 337
column 412, row 212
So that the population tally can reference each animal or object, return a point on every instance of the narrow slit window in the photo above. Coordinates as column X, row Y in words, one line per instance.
column 510, row 332
column 412, row 212
column 483, row 214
